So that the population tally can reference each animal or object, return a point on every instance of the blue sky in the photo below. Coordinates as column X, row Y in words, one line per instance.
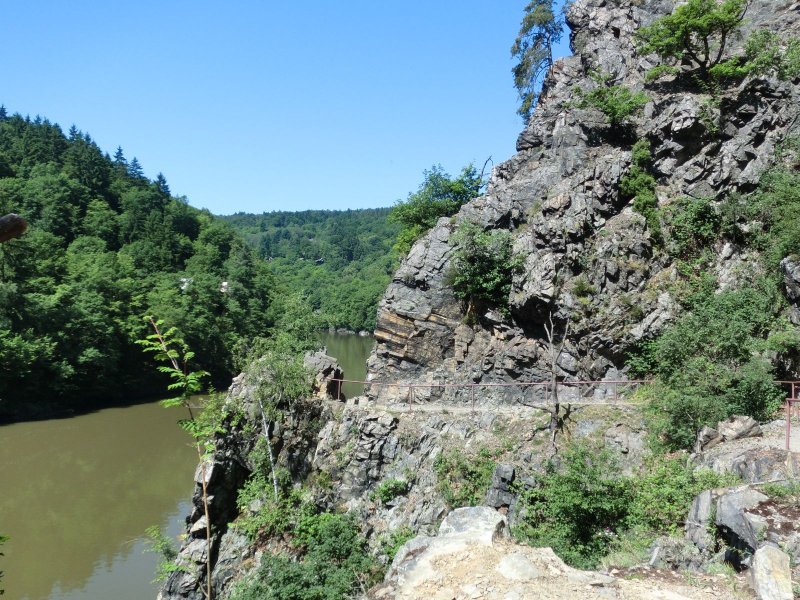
column 260, row 105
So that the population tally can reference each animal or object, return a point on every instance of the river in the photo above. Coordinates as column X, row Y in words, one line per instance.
column 78, row 493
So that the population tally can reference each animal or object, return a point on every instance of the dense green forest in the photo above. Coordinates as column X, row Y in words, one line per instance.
column 106, row 246
column 340, row 260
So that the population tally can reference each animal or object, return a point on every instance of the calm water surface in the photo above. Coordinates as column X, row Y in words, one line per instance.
column 352, row 352
column 77, row 494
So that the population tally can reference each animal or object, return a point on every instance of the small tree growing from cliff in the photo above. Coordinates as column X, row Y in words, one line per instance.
column 617, row 102
column 540, row 29
column 438, row 196
column 483, row 266
column 697, row 32
column 168, row 347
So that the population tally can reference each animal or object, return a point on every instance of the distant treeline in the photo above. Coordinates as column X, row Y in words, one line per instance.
column 341, row 261
column 106, row 246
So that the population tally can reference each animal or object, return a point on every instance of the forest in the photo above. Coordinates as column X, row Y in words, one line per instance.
column 340, row 260
column 105, row 247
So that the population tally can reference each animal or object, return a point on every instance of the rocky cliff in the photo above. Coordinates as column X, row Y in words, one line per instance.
column 587, row 256
column 588, row 259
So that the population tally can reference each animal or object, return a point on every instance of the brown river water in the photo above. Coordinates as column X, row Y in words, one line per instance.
column 76, row 495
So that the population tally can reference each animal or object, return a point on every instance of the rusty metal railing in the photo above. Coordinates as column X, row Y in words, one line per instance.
column 524, row 393
column 538, row 393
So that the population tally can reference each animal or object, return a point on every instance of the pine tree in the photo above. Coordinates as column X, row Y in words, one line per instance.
column 161, row 185
column 539, row 30
column 135, row 170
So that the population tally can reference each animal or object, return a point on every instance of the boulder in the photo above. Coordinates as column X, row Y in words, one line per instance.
column 325, row 369
column 770, row 574
column 741, row 528
column 707, row 438
column 499, row 494
column 738, row 427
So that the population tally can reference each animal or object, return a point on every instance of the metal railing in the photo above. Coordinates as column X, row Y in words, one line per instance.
column 535, row 393
column 529, row 393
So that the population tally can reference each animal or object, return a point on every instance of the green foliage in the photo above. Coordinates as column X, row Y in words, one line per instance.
column 164, row 547
column 392, row 543
column 483, row 266
column 582, row 288
column 697, row 31
column 463, row 480
column 104, row 247
column 333, row 564
column 576, row 506
column 540, row 29
column 786, row 492
column 340, row 261
column 714, row 360
column 693, row 224
column 617, row 102
column 167, row 346
column 584, row 508
column 765, row 53
column 438, row 196
column 389, row 489
column 662, row 494
column 775, row 209
column 271, row 518
column 709, row 364
column 660, row 71
column 638, row 184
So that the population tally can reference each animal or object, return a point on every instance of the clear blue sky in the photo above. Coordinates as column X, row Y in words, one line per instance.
column 262, row 105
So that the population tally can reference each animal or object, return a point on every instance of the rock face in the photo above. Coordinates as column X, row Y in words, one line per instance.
column 472, row 557
column 770, row 574
column 293, row 440
column 587, row 256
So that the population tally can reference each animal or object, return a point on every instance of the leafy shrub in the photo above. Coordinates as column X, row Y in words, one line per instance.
column 708, row 363
column 333, row 565
column 663, row 493
column 776, row 206
column 617, row 102
column 463, row 481
column 483, row 266
column 582, row 288
column 438, row 196
column 640, row 185
column 392, row 543
column 389, row 489
column 584, row 508
column 576, row 507
column 765, row 53
column 693, row 224
column 160, row 544
column 789, row 490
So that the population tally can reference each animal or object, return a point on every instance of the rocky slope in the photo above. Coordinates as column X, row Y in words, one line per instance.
column 559, row 197
column 588, row 259
column 473, row 557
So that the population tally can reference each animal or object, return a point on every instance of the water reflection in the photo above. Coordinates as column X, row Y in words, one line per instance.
column 352, row 352
column 78, row 494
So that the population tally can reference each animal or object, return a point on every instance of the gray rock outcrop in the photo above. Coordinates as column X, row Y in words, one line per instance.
column 587, row 256
column 770, row 574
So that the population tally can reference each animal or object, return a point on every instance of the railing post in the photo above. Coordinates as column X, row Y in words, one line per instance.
column 338, row 390
column 472, row 396
column 788, row 423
